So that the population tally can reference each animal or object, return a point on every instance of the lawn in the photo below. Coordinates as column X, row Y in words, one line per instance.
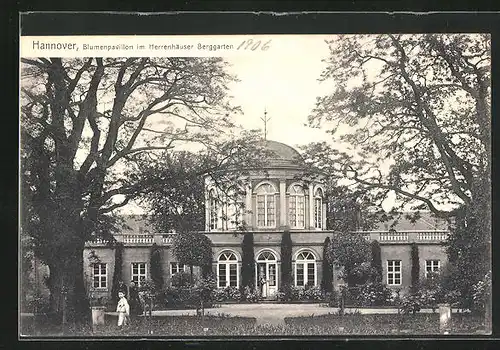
column 173, row 326
column 353, row 324
column 384, row 324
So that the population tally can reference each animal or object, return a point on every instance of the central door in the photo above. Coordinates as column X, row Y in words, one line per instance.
column 267, row 274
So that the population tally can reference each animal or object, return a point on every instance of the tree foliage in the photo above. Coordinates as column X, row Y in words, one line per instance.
column 352, row 252
column 156, row 266
column 327, row 268
column 174, row 187
column 84, row 120
column 117, row 273
column 193, row 249
column 415, row 267
column 417, row 103
column 376, row 262
column 466, row 247
column 349, row 210
column 414, row 115
column 247, row 261
column 286, row 258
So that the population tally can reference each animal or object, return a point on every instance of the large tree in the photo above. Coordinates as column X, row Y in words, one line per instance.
column 415, row 112
column 85, row 120
column 174, row 186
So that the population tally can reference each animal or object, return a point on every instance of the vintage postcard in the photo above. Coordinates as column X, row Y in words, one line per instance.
column 180, row 186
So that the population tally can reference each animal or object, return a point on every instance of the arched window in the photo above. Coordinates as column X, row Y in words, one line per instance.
column 305, row 269
column 318, row 208
column 266, row 208
column 296, row 206
column 214, row 209
column 227, row 270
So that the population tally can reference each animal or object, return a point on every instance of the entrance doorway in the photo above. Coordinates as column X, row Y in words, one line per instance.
column 267, row 274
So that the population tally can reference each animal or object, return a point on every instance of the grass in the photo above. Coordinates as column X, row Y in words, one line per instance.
column 169, row 326
column 419, row 324
column 222, row 325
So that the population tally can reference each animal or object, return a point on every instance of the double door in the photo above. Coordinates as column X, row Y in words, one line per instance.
column 267, row 278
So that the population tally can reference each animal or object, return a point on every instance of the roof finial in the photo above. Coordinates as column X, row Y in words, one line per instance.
column 265, row 119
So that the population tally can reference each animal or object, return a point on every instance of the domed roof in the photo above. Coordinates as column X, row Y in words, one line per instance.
column 280, row 154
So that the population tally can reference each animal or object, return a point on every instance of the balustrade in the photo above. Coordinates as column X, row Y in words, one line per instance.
column 432, row 236
column 393, row 236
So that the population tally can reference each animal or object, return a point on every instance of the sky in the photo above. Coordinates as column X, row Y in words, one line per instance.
column 284, row 82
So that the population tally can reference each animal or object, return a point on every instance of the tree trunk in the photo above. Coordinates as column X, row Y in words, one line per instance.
column 191, row 270
column 67, row 283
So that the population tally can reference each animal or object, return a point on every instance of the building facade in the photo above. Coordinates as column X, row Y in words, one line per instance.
column 280, row 196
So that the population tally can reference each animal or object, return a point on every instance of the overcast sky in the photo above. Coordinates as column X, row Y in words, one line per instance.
column 284, row 81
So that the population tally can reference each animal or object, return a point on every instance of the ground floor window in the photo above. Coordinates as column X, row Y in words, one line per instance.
column 394, row 272
column 305, row 269
column 139, row 273
column 227, row 270
column 176, row 268
column 432, row 267
column 100, row 275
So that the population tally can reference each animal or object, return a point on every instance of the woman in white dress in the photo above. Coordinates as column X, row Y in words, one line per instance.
column 123, row 310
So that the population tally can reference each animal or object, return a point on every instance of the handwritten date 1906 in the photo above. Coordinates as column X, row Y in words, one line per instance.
column 254, row 45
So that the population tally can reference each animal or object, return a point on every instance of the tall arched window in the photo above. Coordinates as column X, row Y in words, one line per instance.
column 296, row 206
column 318, row 208
column 305, row 269
column 266, row 206
column 214, row 209
column 227, row 270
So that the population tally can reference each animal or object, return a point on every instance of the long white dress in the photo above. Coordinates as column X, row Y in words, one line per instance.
column 123, row 310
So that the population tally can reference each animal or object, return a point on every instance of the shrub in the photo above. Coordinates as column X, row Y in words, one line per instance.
column 312, row 293
column 327, row 269
column 226, row 294
column 247, row 260
column 376, row 262
column 286, row 258
column 251, row 294
column 37, row 303
column 371, row 294
column 181, row 279
column 285, row 292
column 333, row 298
column 204, row 287
column 431, row 291
column 292, row 293
column 352, row 251
column 193, row 249
column 481, row 293
column 156, row 266
column 412, row 303
column 179, row 297
column 117, row 274
column 415, row 268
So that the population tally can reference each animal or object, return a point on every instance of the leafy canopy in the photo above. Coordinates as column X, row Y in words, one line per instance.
column 414, row 114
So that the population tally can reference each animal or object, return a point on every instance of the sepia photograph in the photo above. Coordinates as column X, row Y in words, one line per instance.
column 255, row 185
